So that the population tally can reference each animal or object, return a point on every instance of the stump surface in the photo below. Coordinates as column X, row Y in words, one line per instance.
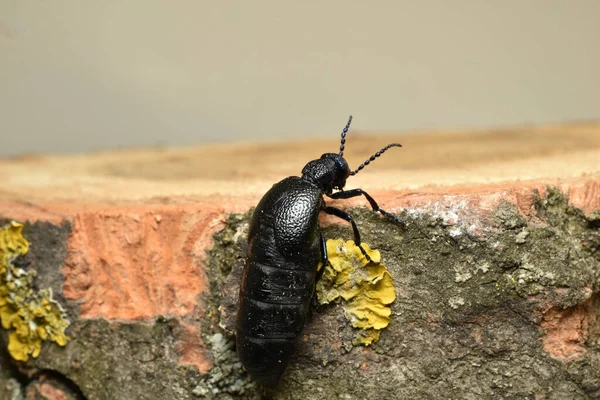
column 497, row 274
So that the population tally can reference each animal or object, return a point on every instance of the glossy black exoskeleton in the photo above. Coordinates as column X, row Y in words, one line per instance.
column 285, row 248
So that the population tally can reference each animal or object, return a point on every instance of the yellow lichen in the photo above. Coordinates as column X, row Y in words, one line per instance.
column 366, row 288
column 32, row 317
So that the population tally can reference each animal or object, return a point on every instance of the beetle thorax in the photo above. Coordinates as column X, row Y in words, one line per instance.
column 328, row 172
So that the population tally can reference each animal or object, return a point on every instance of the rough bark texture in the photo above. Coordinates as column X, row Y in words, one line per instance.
column 508, row 312
column 498, row 296
column 511, row 313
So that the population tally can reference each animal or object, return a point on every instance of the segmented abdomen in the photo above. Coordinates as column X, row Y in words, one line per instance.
column 274, row 302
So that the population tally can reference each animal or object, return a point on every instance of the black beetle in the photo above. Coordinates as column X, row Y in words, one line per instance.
column 285, row 248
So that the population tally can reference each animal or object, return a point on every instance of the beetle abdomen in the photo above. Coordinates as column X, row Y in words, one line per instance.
column 272, row 310
column 276, row 285
column 265, row 359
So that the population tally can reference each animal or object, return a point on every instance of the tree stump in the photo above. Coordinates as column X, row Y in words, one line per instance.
column 497, row 273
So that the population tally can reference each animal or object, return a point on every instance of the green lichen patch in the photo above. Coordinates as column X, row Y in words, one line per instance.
column 32, row 317
column 366, row 288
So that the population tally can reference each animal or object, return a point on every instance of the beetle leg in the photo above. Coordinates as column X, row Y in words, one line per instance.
column 347, row 217
column 324, row 259
column 346, row 194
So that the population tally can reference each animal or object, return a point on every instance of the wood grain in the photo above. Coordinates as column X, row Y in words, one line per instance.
column 246, row 170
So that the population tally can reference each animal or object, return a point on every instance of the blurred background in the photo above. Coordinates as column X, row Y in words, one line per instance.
column 89, row 75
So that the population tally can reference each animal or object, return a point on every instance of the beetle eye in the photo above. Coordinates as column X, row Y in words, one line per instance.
column 338, row 163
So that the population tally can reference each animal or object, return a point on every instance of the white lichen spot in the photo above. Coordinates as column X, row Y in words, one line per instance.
column 462, row 273
column 474, row 228
column 455, row 212
column 241, row 230
column 530, row 273
column 485, row 267
column 449, row 216
column 550, row 276
column 521, row 236
column 200, row 391
column 456, row 302
column 455, row 232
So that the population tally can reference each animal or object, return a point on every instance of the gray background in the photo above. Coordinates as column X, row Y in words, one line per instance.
column 85, row 75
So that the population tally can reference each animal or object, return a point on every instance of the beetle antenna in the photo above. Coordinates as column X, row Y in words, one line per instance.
column 344, row 132
column 374, row 156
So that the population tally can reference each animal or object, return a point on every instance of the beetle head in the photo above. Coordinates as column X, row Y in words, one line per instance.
column 331, row 170
column 328, row 172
